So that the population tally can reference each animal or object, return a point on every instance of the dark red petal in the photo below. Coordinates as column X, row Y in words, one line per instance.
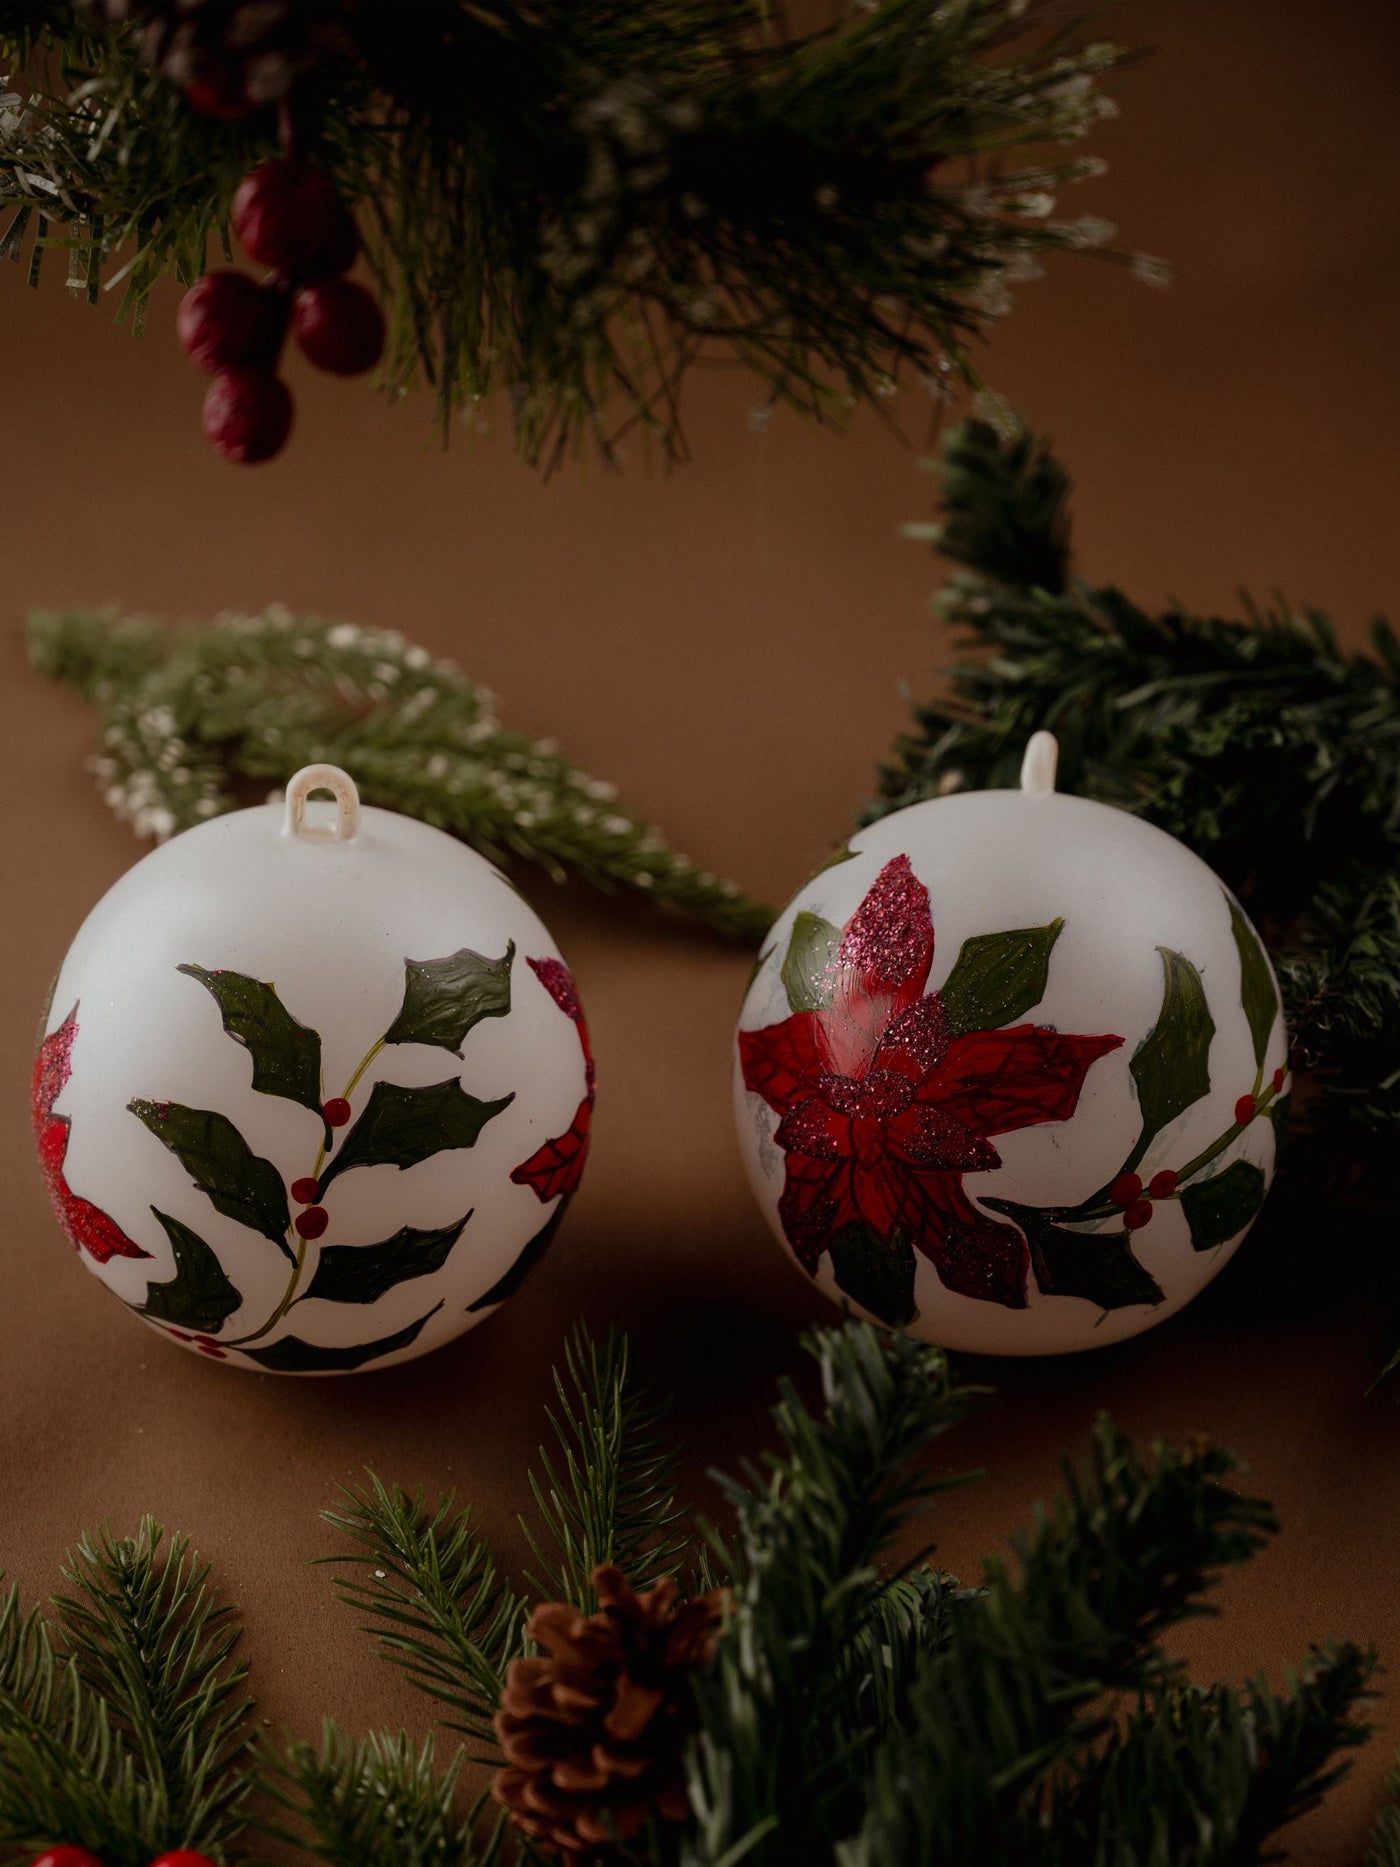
column 784, row 1062
column 816, row 1203
column 52, row 1067
column 917, row 1040
column 997, row 1081
column 558, row 981
column 814, row 1127
column 975, row 1255
column 90, row 1228
column 928, row 1136
column 557, row 1167
column 888, row 941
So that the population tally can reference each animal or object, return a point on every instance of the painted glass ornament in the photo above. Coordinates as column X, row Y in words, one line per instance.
column 315, row 1088
column 1012, row 1071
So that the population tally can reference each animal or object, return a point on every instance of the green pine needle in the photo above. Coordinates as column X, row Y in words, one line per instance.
column 188, row 714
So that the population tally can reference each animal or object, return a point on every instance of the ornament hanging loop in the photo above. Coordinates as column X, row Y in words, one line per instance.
column 1039, row 765
column 341, row 787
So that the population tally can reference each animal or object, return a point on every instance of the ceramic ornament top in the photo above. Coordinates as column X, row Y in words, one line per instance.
column 1012, row 1072
column 316, row 1086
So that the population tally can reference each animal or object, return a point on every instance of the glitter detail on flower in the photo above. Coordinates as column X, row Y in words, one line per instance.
column 556, row 1167
column 87, row 1226
column 884, row 1107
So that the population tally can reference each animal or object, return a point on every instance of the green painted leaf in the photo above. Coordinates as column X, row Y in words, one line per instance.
column 444, row 998
column 362, row 1273
column 1218, row 1208
column 199, row 1296
column 402, row 1126
column 286, row 1055
column 809, row 964
column 292, row 1355
column 842, row 853
column 1257, row 992
column 508, row 1284
column 878, row 1276
column 998, row 977
column 1279, row 1110
column 1099, row 1266
column 1172, row 1064
column 239, row 1183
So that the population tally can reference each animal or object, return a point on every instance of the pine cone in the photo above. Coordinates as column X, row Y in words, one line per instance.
column 594, row 1735
column 233, row 56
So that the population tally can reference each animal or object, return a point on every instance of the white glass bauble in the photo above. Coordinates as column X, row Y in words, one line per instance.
column 315, row 1087
column 1012, row 1072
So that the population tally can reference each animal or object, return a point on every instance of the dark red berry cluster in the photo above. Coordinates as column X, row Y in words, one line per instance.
column 1136, row 1200
column 291, row 220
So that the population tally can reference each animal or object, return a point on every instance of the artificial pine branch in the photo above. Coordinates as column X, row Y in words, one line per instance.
column 576, row 203
column 608, row 1496
column 188, row 713
column 1262, row 744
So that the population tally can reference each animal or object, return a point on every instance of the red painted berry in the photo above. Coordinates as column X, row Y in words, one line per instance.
column 1125, row 1189
column 226, row 320
column 305, row 1191
column 1162, row 1185
column 1138, row 1214
column 336, row 1112
column 247, row 415
column 312, row 1222
column 339, row 326
column 1278, row 1080
column 67, row 1855
column 212, row 1349
column 182, row 1857
column 1245, row 1110
column 289, row 217
column 221, row 96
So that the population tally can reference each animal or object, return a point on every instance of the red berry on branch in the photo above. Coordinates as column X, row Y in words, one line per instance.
column 227, row 320
column 1278, row 1080
column 339, row 326
column 1138, row 1214
column 1125, row 1189
column 1245, row 1110
column 336, row 1112
column 67, row 1855
column 247, row 414
column 1162, row 1185
column 290, row 218
column 312, row 1222
column 305, row 1191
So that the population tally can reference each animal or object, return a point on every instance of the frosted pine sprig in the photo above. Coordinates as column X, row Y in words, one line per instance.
column 189, row 712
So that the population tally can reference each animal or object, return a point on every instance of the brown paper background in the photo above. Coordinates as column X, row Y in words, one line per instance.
column 729, row 643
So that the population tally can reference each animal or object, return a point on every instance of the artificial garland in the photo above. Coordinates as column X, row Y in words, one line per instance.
column 1262, row 744
column 191, row 715
column 571, row 203
column 805, row 1701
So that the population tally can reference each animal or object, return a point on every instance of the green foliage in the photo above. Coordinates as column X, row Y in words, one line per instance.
column 123, row 1725
column 189, row 714
column 1384, row 1848
column 574, row 204
column 1262, row 744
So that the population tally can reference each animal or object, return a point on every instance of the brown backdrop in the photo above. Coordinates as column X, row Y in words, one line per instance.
column 728, row 642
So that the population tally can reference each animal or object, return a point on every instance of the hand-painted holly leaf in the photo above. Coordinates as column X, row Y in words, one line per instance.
column 444, row 998
column 1099, row 1266
column 878, row 1276
column 809, row 968
column 1172, row 1064
column 286, row 1055
column 199, row 1296
column 998, row 977
column 292, row 1355
column 239, row 1183
column 362, row 1273
column 1279, row 1111
column 842, row 853
column 1257, row 992
column 1219, row 1208
column 402, row 1126
column 508, row 1284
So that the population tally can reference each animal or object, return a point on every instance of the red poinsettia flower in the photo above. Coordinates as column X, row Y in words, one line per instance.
column 884, row 1109
column 86, row 1225
column 557, row 1166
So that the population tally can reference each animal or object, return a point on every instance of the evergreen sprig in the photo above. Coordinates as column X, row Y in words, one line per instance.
column 574, row 204
column 1262, row 743
column 123, row 1719
column 189, row 713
